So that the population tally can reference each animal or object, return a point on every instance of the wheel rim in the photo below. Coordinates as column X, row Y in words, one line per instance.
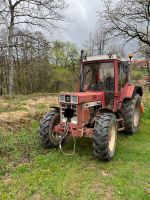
column 136, row 117
column 112, row 138
column 54, row 135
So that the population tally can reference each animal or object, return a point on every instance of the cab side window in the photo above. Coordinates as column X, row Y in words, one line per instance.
column 123, row 74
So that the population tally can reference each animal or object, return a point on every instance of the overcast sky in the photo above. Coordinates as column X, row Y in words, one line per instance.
column 84, row 15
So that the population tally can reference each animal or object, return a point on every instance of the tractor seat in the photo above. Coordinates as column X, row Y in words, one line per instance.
column 109, row 84
column 96, row 87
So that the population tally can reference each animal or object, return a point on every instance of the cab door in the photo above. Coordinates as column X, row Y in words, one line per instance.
column 122, row 81
column 109, row 83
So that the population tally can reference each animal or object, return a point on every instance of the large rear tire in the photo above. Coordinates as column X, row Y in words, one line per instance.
column 49, row 138
column 105, row 137
column 131, row 110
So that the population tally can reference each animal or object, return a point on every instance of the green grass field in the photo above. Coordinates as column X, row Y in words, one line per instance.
column 27, row 171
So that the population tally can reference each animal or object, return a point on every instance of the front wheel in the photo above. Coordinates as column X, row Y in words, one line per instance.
column 105, row 137
column 49, row 138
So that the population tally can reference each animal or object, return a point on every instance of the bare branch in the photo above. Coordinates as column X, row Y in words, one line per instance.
column 129, row 19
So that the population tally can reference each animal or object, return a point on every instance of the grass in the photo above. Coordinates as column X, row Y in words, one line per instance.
column 27, row 171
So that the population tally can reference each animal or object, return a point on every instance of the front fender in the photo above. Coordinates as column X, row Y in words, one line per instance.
column 56, row 108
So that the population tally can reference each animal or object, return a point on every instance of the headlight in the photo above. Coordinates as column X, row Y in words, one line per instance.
column 63, row 119
column 74, row 120
column 62, row 98
column 74, row 99
column 68, row 99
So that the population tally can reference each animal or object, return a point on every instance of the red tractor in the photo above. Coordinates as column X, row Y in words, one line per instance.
column 106, row 103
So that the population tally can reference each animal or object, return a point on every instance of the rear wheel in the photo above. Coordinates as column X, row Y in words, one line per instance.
column 105, row 137
column 49, row 138
column 131, row 110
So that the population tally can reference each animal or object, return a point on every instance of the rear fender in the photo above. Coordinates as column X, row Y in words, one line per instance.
column 138, row 90
column 130, row 91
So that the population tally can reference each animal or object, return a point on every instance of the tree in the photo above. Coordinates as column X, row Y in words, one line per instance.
column 100, row 38
column 129, row 19
column 40, row 65
column 116, row 49
column 89, row 45
column 31, row 63
column 62, row 53
column 1, row 75
column 145, row 51
column 33, row 13
column 65, row 55
column 96, row 44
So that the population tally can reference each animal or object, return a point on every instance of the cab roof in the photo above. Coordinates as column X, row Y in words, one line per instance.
column 103, row 57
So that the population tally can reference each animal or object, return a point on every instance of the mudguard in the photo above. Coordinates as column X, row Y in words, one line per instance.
column 138, row 90
column 56, row 108
column 129, row 91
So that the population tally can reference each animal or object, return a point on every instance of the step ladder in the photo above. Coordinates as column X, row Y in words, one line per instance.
column 120, row 123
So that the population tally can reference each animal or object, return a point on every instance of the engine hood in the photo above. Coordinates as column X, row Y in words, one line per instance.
column 85, row 97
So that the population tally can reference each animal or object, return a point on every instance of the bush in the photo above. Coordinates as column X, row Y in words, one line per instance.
column 136, row 75
column 62, row 80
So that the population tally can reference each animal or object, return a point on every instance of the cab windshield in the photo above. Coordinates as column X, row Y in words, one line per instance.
column 98, row 77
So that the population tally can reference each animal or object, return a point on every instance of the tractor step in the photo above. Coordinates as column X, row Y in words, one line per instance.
column 121, row 129
column 120, row 125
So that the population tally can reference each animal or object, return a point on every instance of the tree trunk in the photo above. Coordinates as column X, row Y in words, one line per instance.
column 10, row 54
column 1, row 81
column 148, row 70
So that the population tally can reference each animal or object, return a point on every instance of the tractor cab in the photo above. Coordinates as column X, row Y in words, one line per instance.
column 98, row 76
column 106, row 73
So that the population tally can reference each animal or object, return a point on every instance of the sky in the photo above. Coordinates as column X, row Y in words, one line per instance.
column 84, row 18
